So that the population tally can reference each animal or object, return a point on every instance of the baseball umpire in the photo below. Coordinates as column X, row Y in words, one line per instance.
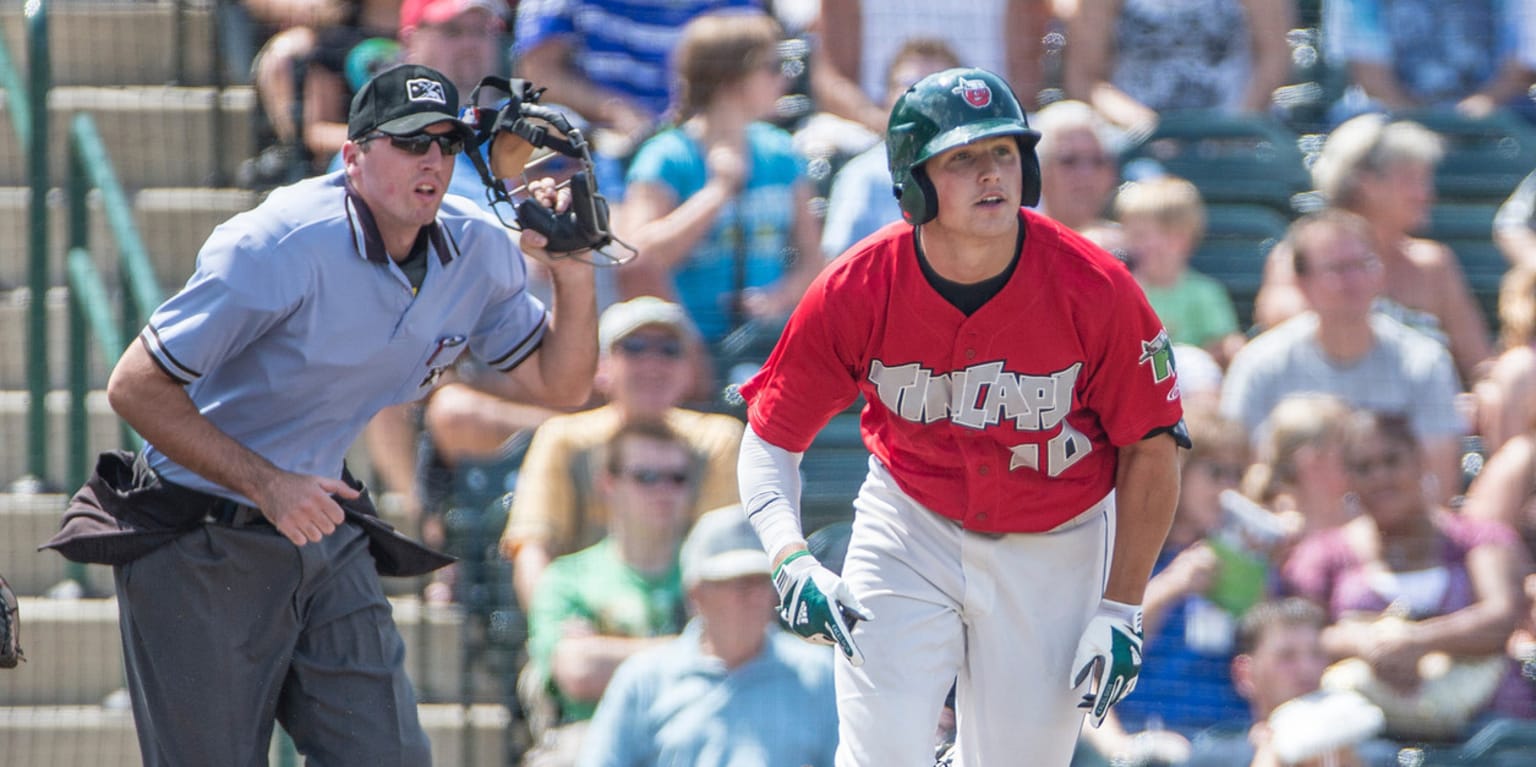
column 247, row 561
column 1024, row 421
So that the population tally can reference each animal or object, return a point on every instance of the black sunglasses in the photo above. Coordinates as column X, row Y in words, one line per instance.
column 418, row 143
column 656, row 476
column 669, row 348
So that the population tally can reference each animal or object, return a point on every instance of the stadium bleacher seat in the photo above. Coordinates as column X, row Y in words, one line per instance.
column 1237, row 241
column 1230, row 158
column 832, row 471
column 1485, row 159
column 1467, row 228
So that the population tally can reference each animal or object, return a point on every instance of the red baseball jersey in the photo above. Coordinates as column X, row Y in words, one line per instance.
column 1006, row 420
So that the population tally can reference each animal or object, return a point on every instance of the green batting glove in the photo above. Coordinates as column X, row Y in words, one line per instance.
column 816, row 604
column 1108, row 657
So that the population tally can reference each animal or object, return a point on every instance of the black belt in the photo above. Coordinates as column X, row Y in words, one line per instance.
column 231, row 514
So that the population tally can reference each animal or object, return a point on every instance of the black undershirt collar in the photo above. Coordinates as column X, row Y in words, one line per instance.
column 968, row 297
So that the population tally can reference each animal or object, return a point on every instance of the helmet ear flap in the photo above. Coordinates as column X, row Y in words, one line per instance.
column 919, row 200
column 1031, row 196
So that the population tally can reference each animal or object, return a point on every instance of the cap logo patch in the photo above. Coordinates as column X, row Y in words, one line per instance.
column 975, row 92
column 423, row 89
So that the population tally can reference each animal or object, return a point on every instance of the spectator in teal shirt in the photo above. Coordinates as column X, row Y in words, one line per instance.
column 719, row 204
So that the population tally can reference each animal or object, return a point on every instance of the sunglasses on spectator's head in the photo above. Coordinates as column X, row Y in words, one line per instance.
column 634, row 346
column 419, row 143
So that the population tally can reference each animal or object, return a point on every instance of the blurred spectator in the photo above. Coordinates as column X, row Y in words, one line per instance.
column 648, row 353
column 300, row 69
column 1200, row 376
column 719, row 204
column 1506, row 397
column 1163, row 221
column 857, row 44
column 861, row 200
column 1341, row 347
column 1514, row 227
column 1410, row 584
column 1505, row 489
column 1132, row 59
column 1473, row 55
column 1184, row 685
column 607, row 60
column 1299, row 470
column 1078, row 172
column 1522, row 644
column 734, row 690
column 597, row 607
column 1384, row 171
column 456, row 37
column 1279, row 661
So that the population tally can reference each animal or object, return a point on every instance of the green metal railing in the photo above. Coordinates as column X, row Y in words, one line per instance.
column 90, row 303
column 90, row 167
column 38, row 79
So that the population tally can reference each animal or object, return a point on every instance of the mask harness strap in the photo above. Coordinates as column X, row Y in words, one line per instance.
column 513, row 132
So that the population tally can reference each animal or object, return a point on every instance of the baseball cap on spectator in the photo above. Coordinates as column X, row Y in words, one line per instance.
column 622, row 319
column 403, row 100
column 722, row 546
column 414, row 13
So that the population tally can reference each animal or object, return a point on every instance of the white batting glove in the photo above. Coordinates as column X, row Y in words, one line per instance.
column 817, row 605
column 1108, row 657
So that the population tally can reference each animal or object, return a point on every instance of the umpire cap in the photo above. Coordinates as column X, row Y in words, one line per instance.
column 403, row 100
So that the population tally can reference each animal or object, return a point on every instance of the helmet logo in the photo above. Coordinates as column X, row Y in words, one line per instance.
column 975, row 92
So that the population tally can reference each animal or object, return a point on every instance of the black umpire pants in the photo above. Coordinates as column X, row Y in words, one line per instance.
column 227, row 629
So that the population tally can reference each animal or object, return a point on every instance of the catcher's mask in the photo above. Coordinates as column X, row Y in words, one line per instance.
column 522, row 134
column 945, row 110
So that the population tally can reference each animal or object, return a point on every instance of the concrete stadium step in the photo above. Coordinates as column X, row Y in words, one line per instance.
column 28, row 519
column 92, row 736
column 156, row 135
column 119, row 43
column 74, row 653
column 173, row 222
column 15, row 310
column 102, row 431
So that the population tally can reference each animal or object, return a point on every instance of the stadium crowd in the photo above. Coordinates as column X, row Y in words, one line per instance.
column 1354, row 546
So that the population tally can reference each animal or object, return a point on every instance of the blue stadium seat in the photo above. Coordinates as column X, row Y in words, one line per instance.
column 832, row 471
column 1230, row 158
column 1467, row 228
column 1485, row 159
column 1237, row 241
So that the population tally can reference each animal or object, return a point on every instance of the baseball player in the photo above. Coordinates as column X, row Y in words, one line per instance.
column 337, row 296
column 1024, row 420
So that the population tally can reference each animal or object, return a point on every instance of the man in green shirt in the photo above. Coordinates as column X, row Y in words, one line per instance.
column 598, row 606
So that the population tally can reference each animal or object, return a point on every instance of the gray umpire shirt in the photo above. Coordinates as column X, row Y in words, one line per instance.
column 296, row 327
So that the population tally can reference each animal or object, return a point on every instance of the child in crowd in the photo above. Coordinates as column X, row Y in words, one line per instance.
column 1163, row 220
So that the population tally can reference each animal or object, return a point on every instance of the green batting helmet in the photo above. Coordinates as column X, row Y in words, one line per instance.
column 945, row 110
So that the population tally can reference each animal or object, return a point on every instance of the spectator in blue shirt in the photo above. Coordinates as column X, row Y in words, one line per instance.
column 733, row 690
column 607, row 60
column 861, row 200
